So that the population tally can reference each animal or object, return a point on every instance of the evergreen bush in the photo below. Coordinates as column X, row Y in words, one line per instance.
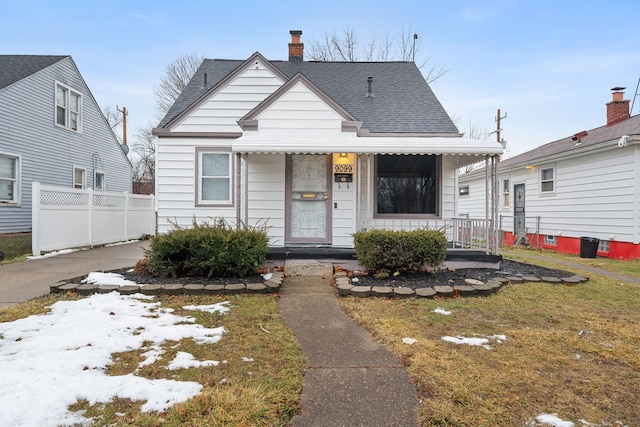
column 387, row 251
column 207, row 250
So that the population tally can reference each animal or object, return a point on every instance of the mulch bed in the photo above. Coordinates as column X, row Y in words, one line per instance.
column 445, row 277
column 456, row 277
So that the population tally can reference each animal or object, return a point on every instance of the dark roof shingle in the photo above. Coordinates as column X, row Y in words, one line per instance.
column 402, row 101
column 14, row 68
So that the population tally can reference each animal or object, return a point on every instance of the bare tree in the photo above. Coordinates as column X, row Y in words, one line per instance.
column 144, row 165
column 347, row 47
column 176, row 77
column 480, row 134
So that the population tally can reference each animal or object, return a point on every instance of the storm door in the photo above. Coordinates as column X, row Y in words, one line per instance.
column 518, row 209
column 308, row 199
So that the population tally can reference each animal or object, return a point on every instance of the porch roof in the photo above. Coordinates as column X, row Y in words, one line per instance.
column 466, row 150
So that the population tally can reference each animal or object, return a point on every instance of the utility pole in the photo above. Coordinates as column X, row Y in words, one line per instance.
column 498, row 128
column 124, row 124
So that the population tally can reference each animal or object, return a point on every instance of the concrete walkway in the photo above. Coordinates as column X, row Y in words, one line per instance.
column 349, row 380
column 22, row 281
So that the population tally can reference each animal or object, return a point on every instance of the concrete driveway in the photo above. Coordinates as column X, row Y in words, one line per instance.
column 22, row 281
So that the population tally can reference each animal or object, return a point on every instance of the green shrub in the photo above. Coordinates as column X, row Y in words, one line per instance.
column 207, row 250
column 388, row 251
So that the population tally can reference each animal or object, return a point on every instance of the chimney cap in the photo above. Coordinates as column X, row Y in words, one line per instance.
column 295, row 32
column 618, row 88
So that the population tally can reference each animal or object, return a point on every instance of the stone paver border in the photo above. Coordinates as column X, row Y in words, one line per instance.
column 75, row 285
column 344, row 286
column 472, row 287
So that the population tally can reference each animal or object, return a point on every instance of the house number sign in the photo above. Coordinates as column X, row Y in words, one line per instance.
column 342, row 168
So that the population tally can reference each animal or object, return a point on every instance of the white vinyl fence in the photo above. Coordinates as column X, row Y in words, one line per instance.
column 64, row 218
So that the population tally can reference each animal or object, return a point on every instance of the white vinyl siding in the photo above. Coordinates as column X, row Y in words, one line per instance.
column 266, row 194
column 49, row 152
column 225, row 107
column 596, row 197
column 300, row 110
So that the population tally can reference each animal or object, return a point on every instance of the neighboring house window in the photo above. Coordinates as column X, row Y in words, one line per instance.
column 98, row 181
column 464, row 190
column 68, row 107
column 79, row 178
column 505, row 193
column 9, row 168
column 547, row 180
column 407, row 184
column 603, row 246
column 214, row 178
column 550, row 240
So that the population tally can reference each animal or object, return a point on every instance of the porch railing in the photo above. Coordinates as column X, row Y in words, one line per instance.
column 462, row 233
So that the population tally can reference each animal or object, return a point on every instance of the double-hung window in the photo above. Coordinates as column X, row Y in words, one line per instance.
column 505, row 193
column 98, row 181
column 407, row 185
column 214, row 178
column 79, row 178
column 547, row 180
column 68, row 107
column 9, row 171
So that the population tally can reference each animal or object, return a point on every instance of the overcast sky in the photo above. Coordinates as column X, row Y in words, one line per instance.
column 548, row 65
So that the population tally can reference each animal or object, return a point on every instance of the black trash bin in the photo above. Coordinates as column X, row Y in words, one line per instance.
column 589, row 247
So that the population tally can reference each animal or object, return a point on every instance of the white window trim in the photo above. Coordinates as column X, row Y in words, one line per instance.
column 506, row 195
column 84, row 177
column 554, row 180
column 67, row 108
column 198, row 187
column 17, row 181
column 550, row 240
column 104, row 180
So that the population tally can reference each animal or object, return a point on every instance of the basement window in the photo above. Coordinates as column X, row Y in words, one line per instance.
column 603, row 246
column 550, row 240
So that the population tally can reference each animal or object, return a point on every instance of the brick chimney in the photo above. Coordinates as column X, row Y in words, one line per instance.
column 618, row 108
column 296, row 49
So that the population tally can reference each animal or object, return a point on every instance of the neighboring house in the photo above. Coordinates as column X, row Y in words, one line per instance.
column 583, row 186
column 53, row 132
column 318, row 150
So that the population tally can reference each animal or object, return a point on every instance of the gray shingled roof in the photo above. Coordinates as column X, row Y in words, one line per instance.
column 16, row 67
column 568, row 145
column 402, row 102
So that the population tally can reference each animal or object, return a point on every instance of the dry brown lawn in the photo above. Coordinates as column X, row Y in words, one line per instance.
column 573, row 351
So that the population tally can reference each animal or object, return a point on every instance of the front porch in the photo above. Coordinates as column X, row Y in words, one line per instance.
column 326, row 259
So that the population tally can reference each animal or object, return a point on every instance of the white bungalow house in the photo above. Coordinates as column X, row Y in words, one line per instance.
column 318, row 150
column 566, row 194
column 52, row 132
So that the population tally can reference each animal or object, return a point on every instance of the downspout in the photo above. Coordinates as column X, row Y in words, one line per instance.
column 622, row 143
column 486, row 202
column 238, row 188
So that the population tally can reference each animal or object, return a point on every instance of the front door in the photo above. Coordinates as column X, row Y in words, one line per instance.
column 518, row 209
column 308, row 199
